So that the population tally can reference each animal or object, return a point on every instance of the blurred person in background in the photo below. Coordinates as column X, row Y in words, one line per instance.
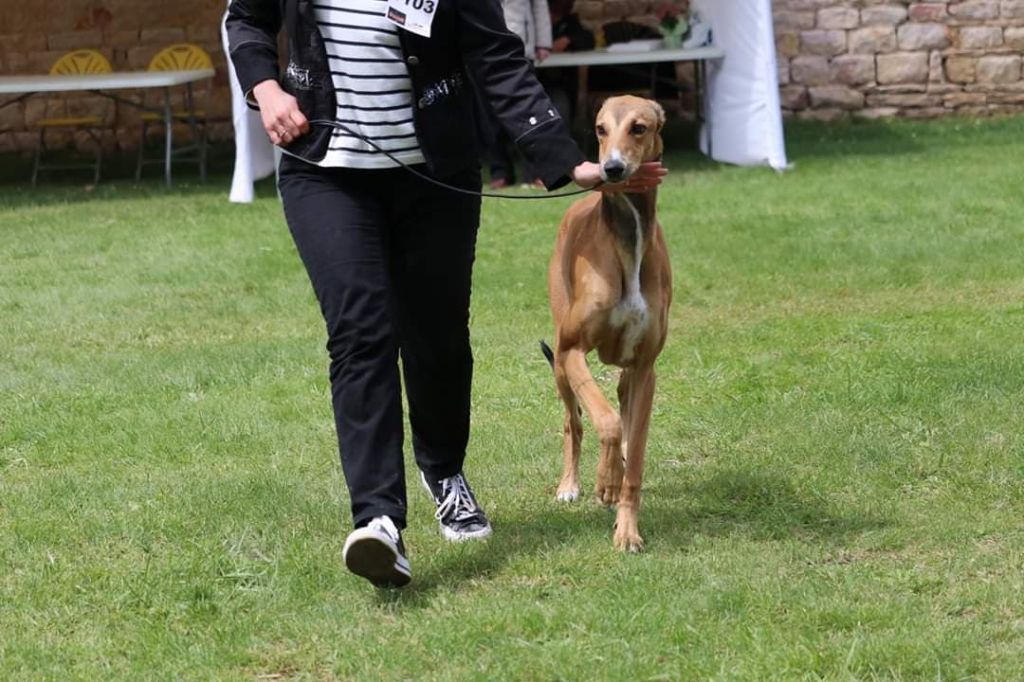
column 531, row 21
column 568, row 35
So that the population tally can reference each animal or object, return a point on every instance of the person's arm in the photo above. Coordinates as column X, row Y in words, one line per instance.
column 499, row 69
column 252, row 27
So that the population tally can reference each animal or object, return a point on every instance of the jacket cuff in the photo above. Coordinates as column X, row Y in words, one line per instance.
column 551, row 153
column 254, row 63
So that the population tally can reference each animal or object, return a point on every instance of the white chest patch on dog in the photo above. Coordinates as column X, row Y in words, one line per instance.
column 631, row 313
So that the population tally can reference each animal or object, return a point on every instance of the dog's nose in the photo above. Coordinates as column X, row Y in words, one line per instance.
column 614, row 170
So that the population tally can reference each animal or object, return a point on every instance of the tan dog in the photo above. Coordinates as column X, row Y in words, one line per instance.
column 610, row 286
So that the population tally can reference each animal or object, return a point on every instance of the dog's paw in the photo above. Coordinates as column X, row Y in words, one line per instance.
column 628, row 542
column 568, row 488
column 607, row 493
column 627, row 531
column 570, row 495
column 609, row 484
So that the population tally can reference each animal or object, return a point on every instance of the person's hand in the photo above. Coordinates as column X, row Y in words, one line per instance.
column 648, row 176
column 587, row 174
column 561, row 44
column 280, row 112
column 542, row 54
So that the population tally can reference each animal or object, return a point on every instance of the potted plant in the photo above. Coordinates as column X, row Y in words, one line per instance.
column 673, row 25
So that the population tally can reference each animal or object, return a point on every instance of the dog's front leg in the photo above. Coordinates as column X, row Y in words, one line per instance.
column 627, row 519
column 605, row 420
column 625, row 379
column 569, row 486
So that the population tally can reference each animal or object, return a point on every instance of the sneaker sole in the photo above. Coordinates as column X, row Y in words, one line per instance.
column 454, row 536
column 370, row 557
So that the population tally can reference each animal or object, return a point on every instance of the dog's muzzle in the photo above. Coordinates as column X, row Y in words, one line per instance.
column 614, row 170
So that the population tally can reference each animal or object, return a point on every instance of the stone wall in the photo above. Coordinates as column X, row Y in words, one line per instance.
column 876, row 58
column 871, row 58
column 35, row 33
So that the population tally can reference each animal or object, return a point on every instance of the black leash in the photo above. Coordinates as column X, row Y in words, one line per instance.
column 434, row 181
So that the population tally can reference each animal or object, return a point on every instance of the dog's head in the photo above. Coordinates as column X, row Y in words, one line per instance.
column 629, row 132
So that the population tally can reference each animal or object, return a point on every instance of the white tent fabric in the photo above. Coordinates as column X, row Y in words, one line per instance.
column 255, row 156
column 743, row 88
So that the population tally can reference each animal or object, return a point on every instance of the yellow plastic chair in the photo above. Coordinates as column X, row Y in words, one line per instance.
column 181, row 57
column 79, row 62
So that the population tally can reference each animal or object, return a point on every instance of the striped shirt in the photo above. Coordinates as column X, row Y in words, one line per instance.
column 371, row 82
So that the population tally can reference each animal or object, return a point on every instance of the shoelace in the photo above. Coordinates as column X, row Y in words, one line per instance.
column 457, row 499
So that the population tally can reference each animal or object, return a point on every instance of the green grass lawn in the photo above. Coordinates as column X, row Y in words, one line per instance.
column 834, row 486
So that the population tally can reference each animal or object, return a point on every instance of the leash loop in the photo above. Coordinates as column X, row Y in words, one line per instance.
column 434, row 181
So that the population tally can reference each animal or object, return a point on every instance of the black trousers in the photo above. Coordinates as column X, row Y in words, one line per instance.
column 390, row 257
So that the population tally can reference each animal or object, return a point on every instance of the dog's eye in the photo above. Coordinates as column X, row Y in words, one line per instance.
column 601, row 132
column 638, row 129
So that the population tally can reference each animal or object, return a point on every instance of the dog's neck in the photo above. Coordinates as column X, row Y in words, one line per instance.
column 629, row 216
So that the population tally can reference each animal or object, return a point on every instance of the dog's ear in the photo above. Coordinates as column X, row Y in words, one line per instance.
column 659, row 114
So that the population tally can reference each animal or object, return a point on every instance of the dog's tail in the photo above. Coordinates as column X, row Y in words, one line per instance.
column 548, row 353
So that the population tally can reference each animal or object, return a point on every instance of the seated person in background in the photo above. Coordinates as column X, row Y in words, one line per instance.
column 531, row 21
column 625, row 31
column 568, row 35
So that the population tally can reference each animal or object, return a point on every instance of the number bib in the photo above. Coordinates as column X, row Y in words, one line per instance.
column 412, row 15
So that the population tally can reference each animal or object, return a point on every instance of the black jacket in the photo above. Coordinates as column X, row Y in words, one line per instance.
column 469, row 50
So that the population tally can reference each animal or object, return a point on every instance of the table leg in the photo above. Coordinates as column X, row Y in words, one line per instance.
column 194, row 127
column 697, row 85
column 582, row 100
column 707, row 119
column 701, row 104
column 168, row 135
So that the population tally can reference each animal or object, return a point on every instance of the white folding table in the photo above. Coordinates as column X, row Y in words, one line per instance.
column 605, row 57
column 105, row 84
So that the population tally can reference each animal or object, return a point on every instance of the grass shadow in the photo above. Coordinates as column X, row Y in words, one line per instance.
column 516, row 536
column 758, row 506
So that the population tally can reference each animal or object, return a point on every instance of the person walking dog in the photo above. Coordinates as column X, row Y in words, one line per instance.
column 390, row 255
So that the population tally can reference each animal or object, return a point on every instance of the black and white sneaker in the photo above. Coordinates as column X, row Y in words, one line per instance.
column 460, row 516
column 376, row 552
